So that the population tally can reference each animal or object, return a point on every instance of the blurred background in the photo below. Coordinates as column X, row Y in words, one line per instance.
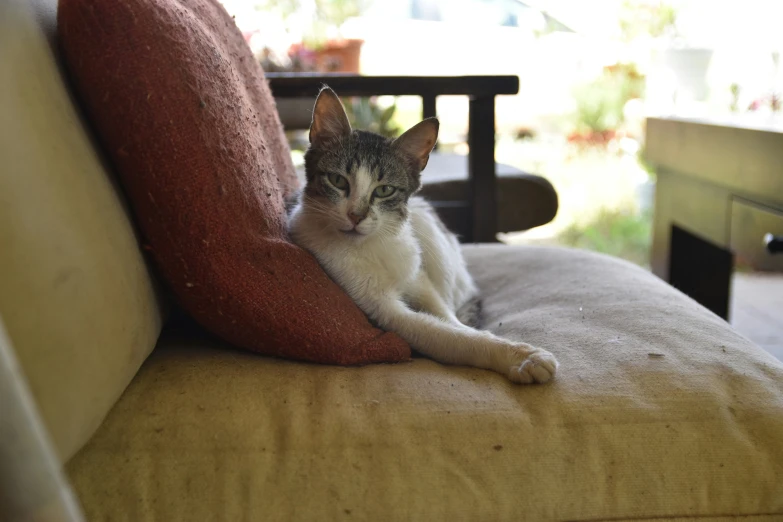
column 590, row 73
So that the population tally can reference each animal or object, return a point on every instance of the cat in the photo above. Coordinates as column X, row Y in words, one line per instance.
column 389, row 250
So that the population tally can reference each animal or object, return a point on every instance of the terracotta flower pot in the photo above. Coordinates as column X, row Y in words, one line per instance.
column 339, row 56
column 592, row 138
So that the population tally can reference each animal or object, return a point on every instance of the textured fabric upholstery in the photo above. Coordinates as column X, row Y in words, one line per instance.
column 75, row 294
column 660, row 412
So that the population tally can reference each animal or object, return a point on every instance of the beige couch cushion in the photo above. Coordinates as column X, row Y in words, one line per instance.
column 210, row 434
column 75, row 295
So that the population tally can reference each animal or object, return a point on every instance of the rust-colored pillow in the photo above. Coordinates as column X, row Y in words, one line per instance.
column 190, row 125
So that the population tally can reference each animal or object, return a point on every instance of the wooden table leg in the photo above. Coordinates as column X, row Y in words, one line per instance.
column 701, row 270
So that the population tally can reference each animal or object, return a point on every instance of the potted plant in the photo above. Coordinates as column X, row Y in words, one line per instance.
column 600, row 104
column 367, row 114
column 320, row 47
column 333, row 52
column 317, row 25
column 659, row 23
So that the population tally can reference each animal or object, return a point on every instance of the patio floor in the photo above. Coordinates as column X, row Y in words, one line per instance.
column 756, row 309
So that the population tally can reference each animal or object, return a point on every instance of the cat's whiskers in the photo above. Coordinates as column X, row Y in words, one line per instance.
column 319, row 210
column 386, row 232
column 312, row 204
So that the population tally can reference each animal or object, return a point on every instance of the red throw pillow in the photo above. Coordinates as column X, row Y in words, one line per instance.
column 187, row 118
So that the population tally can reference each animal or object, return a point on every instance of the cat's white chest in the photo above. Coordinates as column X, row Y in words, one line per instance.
column 394, row 264
column 369, row 268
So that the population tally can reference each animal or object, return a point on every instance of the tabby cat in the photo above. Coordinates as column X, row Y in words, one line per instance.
column 389, row 250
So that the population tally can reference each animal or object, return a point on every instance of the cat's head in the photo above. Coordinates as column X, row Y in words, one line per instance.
column 358, row 182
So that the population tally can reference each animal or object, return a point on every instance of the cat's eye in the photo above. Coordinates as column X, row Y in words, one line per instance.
column 338, row 181
column 384, row 191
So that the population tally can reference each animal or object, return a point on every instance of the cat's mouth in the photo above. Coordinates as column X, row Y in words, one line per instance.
column 352, row 232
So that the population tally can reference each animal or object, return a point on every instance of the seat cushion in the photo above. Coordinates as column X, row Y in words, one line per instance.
column 76, row 296
column 660, row 412
column 190, row 125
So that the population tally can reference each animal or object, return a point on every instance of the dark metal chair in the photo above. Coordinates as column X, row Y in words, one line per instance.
column 463, row 198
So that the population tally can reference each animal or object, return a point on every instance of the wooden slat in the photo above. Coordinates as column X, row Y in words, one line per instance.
column 429, row 109
column 295, row 85
column 481, row 169
column 428, row 106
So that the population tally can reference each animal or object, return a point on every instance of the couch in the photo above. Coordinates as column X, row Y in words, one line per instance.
column 660, row 410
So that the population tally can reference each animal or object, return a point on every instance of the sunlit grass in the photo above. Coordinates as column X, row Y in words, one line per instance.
column 625, row 234
column 600, row 204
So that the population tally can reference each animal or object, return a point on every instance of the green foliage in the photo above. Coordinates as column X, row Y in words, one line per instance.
column 283, row 8
column 600, row 104
column 655, row 19
column 619, row 233
column 599, row 107
column 328, row 14
column 336, row 12
column 331, row 14
column 366, row 114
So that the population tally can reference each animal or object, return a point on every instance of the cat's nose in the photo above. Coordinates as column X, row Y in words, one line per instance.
column 356, row 218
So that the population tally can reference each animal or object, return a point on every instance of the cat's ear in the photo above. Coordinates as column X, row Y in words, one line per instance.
column 329, row 120
column 418, row 141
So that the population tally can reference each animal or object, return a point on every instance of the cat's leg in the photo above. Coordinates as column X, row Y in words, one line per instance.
column 424, row 297
column 451, row 343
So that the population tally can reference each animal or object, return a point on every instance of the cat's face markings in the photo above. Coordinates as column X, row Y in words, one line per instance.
column 360, row 182
column 361, row 200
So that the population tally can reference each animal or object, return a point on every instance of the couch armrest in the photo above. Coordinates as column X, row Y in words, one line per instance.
column 32, row 485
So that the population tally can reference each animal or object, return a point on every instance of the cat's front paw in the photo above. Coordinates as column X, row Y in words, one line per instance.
column 538, row 366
